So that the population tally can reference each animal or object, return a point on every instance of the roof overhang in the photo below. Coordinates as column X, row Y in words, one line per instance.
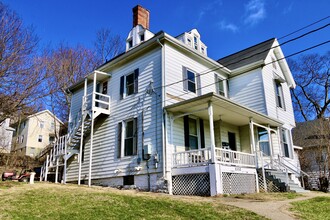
column 223, row 108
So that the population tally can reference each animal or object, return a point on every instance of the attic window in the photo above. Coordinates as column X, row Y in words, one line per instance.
column 130, row 43
column 195, row 43
column 203, row 50
column 189, row 41
column 142, row 37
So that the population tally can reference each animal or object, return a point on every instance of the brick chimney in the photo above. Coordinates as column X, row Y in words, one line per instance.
column 141, row 16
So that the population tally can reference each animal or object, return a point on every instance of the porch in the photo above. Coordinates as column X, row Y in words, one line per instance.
column 213, row 140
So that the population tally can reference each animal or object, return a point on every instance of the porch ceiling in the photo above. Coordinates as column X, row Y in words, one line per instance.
column 224, row 108
column 100, row 76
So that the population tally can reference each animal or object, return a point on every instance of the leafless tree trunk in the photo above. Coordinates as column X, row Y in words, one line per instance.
column 312, row 76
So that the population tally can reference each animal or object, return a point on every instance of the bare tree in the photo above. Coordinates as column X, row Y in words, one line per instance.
column 312, row 76
column 314, row 137
column 65, row 66
column 107, row 45
column 20, row 78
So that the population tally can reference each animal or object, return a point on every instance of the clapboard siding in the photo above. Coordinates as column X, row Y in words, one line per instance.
column 285, row 115
column 175, row 60
column 105, row 160
column 247, row 89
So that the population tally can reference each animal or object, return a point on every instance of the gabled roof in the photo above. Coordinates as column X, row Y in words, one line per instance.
column 247, row 56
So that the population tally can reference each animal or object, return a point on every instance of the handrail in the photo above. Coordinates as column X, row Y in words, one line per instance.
column 283, row 158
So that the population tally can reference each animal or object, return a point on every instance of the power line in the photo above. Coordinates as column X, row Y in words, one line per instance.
column 304, row 27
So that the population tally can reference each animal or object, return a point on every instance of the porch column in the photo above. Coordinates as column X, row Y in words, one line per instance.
column 210, row 111
column 270, row 146
column 92, row 134
column 253, row 149
column 214, row 168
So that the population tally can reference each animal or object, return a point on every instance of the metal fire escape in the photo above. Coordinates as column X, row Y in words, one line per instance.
column 93, row 105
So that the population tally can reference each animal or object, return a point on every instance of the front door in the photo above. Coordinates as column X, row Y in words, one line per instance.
column 232, row 141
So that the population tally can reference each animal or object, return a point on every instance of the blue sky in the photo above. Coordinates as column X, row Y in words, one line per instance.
column 225, row 26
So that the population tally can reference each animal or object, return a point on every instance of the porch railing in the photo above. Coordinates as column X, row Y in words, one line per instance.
column 203, row 157
column 100, row 101
column 192, row 158
column 234, row 158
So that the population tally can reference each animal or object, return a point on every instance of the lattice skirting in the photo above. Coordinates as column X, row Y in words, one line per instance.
column 238, row 183
column 191, row 184
column 271, row 187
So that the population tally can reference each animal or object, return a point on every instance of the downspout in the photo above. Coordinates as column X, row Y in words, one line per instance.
column 163, row 104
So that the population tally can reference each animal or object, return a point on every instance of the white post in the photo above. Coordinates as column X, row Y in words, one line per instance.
column 210, row 111
column 271, row 147
column 263, row 171
column 92, row 134
column 65, row 161
column 253, row 149
column 46, row 168
column 56, row 171
column 170, row 154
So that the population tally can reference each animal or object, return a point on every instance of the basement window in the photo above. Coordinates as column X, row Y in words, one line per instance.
column 128, row 180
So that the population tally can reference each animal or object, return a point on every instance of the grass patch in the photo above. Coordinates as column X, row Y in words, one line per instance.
column 9, row 184
column 268, row 196
column 49, row 201
column 316, row 208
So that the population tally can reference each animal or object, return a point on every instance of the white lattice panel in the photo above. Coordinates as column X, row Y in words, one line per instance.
column 271, row 187
column 238, row 183
column 191, row 184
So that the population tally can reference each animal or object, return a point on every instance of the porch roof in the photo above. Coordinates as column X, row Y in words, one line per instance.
column 224, row 108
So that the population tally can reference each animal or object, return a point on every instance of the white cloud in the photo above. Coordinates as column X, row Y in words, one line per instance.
column 223, row 25
column 208, row 8
column 254, row 12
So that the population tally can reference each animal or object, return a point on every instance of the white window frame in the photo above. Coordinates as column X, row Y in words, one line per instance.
column 280, row 102
column 41, row 124
column 285, row 133
column 123, row 137
column 224, row 85
column 199, row 141
column 125, row 85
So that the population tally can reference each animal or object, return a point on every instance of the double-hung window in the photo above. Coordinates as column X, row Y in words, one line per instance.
column 191, row 81
column 129, row 84
column 279, row 94
column 40, row 138
column 127, row 138
column 193, row 133
column 219, row 84
column 285, row 143
column 263, row 141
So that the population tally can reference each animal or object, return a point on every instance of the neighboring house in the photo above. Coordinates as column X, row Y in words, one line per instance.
column 314, row 138
column 35, row 132
column 165, row 116
column 6, row 134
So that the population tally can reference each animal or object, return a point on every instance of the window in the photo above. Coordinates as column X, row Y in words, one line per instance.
column 52, row 125
column 232, row 141
column 189, row 80
column 127, row 131
column 195, row 43
column 279, row 94
column 285, row 143
column 219, row 83
column 189, row 41
column 51, row 139
column 40, row 138
column 129, row 84
column 142, row 37
column 263, row 141
column 130, row 43
column 42, row 124
column 193, row 133
column 203, row 50
column 193, row 137
column 22, row 139
column 128, row 180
